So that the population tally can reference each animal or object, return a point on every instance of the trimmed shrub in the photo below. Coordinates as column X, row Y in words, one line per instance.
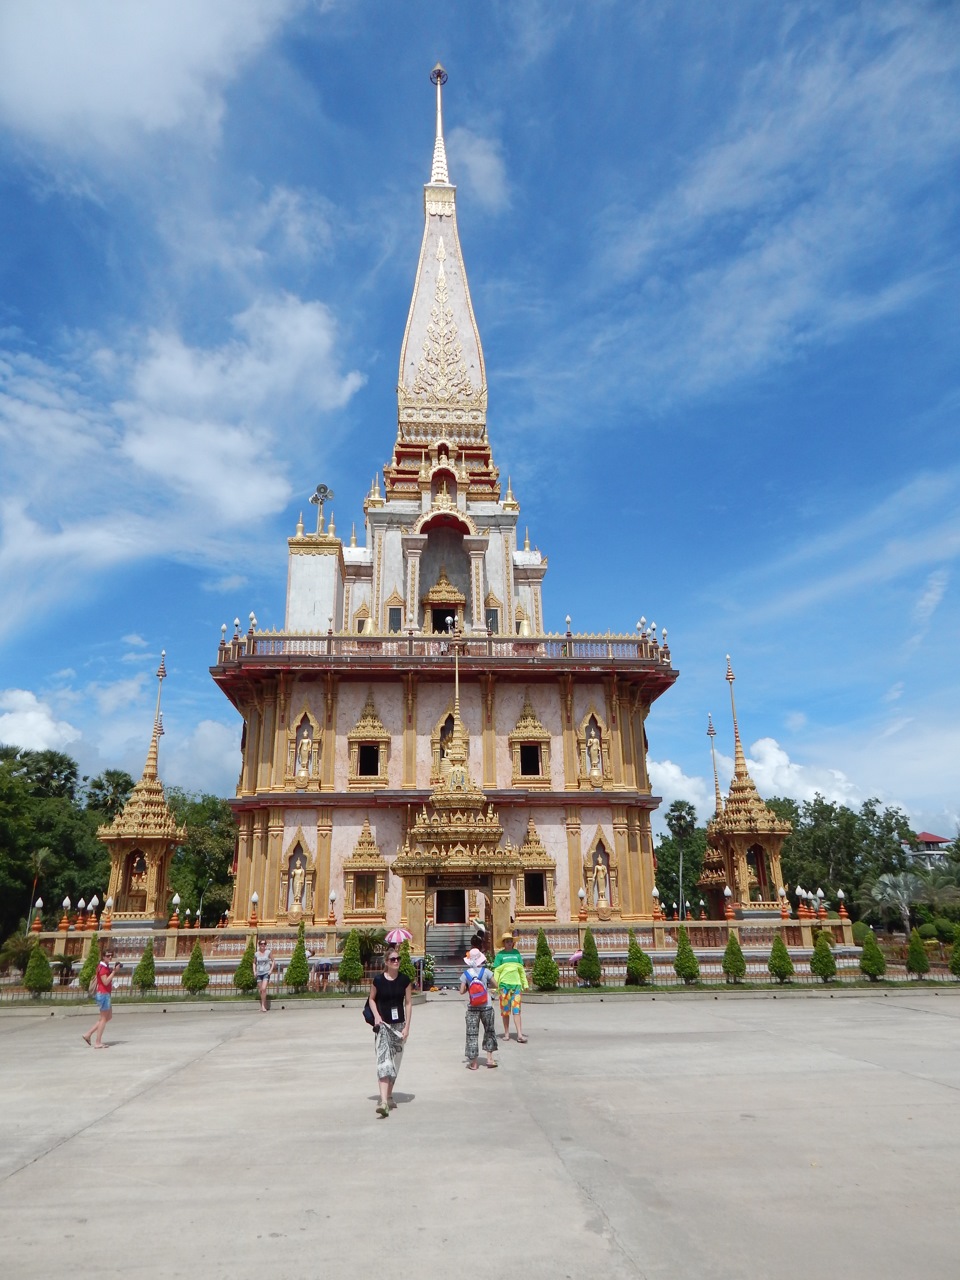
column 546, row 971
column 89, row 966
column 860, row 931
column 685, row 965
column 639, row 964
column 195, row 977
column 733, row 964
column 780, row 964
column 822, row 963
column 145, row 974
column 928, row 932
column 350, row 972
column 38, row 976
column 298, row 971
column 917, row 959
column 872, row 962
column 588, row 966
column 955, row 960
column 944, row 928
column 406, row 962
column 244, row 978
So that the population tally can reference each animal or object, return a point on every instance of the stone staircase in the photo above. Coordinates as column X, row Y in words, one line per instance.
column 448, row 944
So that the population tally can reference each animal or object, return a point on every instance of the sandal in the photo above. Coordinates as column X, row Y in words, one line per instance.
column 383, row 1110
column 493, row 1064
column 521, row 1039
column 473, row 1066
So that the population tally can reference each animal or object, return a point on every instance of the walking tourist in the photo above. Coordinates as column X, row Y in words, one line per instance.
column 391, row 1003
column 263, row 967
column 474, row 983
column 511, row 981
column 103, row 993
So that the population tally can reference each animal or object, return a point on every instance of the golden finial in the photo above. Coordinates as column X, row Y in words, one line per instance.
column 331, row 531
column 300, row 526
column 740, row 763
column 526, row 539
column 711, row 734
column 353, row 534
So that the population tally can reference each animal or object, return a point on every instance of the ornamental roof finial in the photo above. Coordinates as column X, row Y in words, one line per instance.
column 438, row 172
column 711, row 734
column 739, row 761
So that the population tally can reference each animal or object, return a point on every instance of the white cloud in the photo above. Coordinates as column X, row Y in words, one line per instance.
column 99, row 75
column 481, row 160
column 208, row 759
column 775, row 774
column 669, row 781
column 778, row 233
column 27, row 722
column 137, row 641
column 933, row 593
column 118, row 694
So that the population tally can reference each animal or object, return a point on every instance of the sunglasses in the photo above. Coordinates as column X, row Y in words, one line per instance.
column 393, row 959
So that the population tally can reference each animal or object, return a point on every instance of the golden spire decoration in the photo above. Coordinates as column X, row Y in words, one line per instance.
column 711, row 734
column 438, row 171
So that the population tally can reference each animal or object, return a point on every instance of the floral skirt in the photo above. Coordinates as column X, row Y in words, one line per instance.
column 389, row 1042
column 474, row 1017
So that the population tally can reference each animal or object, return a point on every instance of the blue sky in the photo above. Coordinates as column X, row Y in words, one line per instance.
column 713, row 253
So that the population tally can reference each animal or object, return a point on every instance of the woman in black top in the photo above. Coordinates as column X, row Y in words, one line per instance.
column 391, row 1003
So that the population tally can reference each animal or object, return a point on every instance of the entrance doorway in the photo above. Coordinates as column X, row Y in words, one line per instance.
column 451, row 906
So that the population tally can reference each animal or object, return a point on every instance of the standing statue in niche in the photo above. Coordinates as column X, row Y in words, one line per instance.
column 297, row 880
column 600, row 880
column 304, row 748
column 594, row 757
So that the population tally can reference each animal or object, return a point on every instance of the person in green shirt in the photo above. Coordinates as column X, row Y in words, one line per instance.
column 511, row 981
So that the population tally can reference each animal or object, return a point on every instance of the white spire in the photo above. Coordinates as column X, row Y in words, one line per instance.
column 438, row 172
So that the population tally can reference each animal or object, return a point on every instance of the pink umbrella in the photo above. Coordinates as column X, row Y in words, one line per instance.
column 396, row 936
column 577, row 955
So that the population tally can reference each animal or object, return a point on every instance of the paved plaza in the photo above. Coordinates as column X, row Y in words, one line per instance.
column 670, row 1137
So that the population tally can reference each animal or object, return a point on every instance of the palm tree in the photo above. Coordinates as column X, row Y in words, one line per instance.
column 35, row 863
column 893, row 893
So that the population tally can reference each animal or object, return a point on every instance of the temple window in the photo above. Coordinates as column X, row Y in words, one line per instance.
column 530, row 749
column 394, row 618
column 530, row 759
column 368, row 760
column 535, row 889
column 369, row 744
column 364, row 891
column 493, row 620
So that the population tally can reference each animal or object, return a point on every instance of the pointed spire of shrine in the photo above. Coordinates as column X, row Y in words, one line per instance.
column 150, row 768
column 438, row 172
column 744, row 810
column 711, row 734
column 739, row 760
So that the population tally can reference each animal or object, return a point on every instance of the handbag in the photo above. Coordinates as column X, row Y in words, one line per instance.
column 368, row 1015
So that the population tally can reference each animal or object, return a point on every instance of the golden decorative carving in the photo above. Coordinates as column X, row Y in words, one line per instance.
column 601, row 878
column 368, row 732
column 593, row 751
column 303, row 748
column 442, row 374
column 535, row 860
column 366, row 860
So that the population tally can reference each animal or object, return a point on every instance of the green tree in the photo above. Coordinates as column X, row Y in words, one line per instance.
column 955, row 960
column 108, row 792
column 201, row 867
column 734, row 964
column 822, row 963
column 244, row 978
column 38, row 977
column 16, row 951
column 350, row 972
column 370, row 943
column 917, row 960
column 195, row 977
column 406, row 962
column 780, row 964
column 145, row 974
column 588, row 966
column 685, row 964
column 686, row 844
column 89, row 966
column 298, row 971
column 872, row 962
column 892, row 893
column 546, row 971
column 639, row 964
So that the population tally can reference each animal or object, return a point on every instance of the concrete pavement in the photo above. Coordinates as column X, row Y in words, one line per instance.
column 667, row 1138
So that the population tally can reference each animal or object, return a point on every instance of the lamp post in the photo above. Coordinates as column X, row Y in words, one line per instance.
column 202, row 892
column 821, row 909
column 36, row 924
column 800, row 897
column 727, row 902
column 174, row 922
column 81, row 920
column 656, row 902
column 784, row 904
column 332, row 913
column 582, row 895
column 842, row 908
column 92, row 906
column 64, row 924
column 703, row 910
column 254, row 899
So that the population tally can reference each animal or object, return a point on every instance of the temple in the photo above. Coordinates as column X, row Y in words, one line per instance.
column 418, row 749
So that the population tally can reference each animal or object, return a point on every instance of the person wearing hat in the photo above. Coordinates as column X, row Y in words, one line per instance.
column 511, row 981
column 475, row 981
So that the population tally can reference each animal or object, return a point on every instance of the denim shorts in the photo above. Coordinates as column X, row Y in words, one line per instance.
column 103, row 1001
